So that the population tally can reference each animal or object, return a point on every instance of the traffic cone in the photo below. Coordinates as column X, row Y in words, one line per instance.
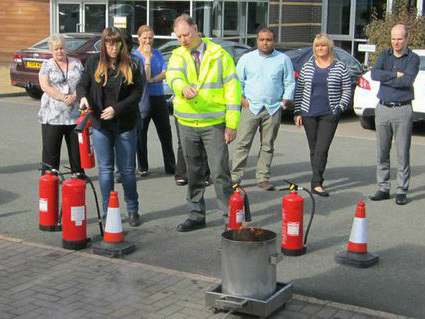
column 356, row 254
column 113, row 243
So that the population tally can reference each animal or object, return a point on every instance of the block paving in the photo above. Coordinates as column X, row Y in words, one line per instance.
column 39, row 281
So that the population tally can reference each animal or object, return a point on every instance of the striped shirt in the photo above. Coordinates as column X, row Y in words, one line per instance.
column 339, row 88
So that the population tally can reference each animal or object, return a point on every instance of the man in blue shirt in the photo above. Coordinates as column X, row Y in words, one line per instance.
column 267, row 80
column 396, row 69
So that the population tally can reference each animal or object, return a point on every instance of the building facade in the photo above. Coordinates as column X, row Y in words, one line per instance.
column 295, row 22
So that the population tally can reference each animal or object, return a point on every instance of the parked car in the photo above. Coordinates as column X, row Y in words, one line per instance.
column 365, row 99
column 355, row 68
column 235, row 49
column 27, row 62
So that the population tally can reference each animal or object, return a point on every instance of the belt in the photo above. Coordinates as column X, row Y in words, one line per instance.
column 395, row 104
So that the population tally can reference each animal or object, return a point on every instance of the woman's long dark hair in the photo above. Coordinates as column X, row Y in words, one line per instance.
column 123, row 60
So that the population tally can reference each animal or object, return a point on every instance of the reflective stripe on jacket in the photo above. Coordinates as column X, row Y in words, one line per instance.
column 219, row 90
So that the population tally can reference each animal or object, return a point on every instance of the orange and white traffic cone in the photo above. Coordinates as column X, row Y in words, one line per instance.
column 113, row 244
column 356, row 254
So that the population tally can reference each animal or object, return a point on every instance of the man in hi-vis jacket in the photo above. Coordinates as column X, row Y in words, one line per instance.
column 207, row 102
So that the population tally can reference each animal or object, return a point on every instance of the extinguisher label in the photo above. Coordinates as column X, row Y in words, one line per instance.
column 43, row 204
column 239, row 216
column 78, row 215
column 293, row 229
column 80, row 138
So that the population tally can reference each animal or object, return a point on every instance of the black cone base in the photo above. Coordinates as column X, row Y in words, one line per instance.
column 357, row 260
column 75, row 245
column 113, row 249
column 296, row 252
column 50, row 227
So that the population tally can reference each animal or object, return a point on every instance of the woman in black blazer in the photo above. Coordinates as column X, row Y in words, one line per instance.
column 111, row 87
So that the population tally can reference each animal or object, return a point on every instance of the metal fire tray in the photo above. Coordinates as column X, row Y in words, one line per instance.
column 218, row 300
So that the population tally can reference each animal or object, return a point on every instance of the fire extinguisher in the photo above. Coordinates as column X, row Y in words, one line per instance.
column 293, row 243
column 74, row 216
column 237, row 214
column 83, row 129
column 49, row 219
column 74, row 212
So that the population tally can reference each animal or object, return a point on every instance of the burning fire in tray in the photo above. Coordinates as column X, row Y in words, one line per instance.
column 249, row 234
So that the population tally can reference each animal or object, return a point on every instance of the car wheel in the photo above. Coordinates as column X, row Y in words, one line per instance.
column 368, row 123
column 34, row 93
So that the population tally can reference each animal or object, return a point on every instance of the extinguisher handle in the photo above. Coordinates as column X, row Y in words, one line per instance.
column 80, row 127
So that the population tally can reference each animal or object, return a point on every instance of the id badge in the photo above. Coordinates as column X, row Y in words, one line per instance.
column 65, row 89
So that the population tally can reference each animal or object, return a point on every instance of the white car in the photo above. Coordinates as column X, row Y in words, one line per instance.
column 365, row 99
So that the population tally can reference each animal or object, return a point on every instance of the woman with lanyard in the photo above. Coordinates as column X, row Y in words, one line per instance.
column 155, row 68
column 111, row 87
column 59, row 110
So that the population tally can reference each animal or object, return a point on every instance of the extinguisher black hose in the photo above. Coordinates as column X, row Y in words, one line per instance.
column 247, row 208
column 313, row 209
column 88, row 179
column 80, row 127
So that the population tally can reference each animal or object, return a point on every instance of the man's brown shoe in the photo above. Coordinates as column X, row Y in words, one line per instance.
column 266, row 185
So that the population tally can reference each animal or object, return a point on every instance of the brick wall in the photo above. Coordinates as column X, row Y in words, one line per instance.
column 24, row 23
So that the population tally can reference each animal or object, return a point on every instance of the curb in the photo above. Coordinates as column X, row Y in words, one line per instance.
column 13, row 94
column 212, row 280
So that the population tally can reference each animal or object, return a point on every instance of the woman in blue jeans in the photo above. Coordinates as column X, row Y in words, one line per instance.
column 111, row 87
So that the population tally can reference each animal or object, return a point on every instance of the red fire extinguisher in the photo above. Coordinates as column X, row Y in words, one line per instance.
column 293, row 243
column 74, row 216
column 49, row 201
column 83, row 129
column 237, row 214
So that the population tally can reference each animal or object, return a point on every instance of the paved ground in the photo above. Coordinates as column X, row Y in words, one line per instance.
column 395, row 285
column 5, row 87
column 38, row 281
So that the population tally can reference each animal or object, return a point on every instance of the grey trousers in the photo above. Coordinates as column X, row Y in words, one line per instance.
column 249, row 124
column 397, row 122
column 194, row 140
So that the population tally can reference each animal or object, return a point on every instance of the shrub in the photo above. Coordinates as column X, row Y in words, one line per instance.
column 379, row 30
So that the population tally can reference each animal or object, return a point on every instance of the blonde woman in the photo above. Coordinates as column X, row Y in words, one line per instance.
column 323, row 92
column 59, row 110
column 111, row 87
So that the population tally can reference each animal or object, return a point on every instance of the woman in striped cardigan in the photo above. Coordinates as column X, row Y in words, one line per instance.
column 323, row 92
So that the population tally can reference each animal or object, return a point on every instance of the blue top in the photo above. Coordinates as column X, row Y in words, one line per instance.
column 392, row 88
column 319, row 93
column 266, row 80
column 157, row 66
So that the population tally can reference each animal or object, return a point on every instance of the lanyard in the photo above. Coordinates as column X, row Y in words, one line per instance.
column 65, row 75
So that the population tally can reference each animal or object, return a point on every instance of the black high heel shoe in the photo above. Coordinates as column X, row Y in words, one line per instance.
column 321, row 194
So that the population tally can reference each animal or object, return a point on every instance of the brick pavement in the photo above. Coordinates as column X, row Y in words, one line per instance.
column 38, row 281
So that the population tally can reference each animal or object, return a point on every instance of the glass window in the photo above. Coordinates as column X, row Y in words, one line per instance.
column 203, row 16
column 364, row 8
column 257, row 15
column 234, row 19
column 163, row 13
column 69, row 17
column 134, row 11
column 217, row 19
column 338, row 16
column 94, row 17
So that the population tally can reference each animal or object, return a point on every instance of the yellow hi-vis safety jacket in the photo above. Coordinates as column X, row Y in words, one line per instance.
column 219, row 90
